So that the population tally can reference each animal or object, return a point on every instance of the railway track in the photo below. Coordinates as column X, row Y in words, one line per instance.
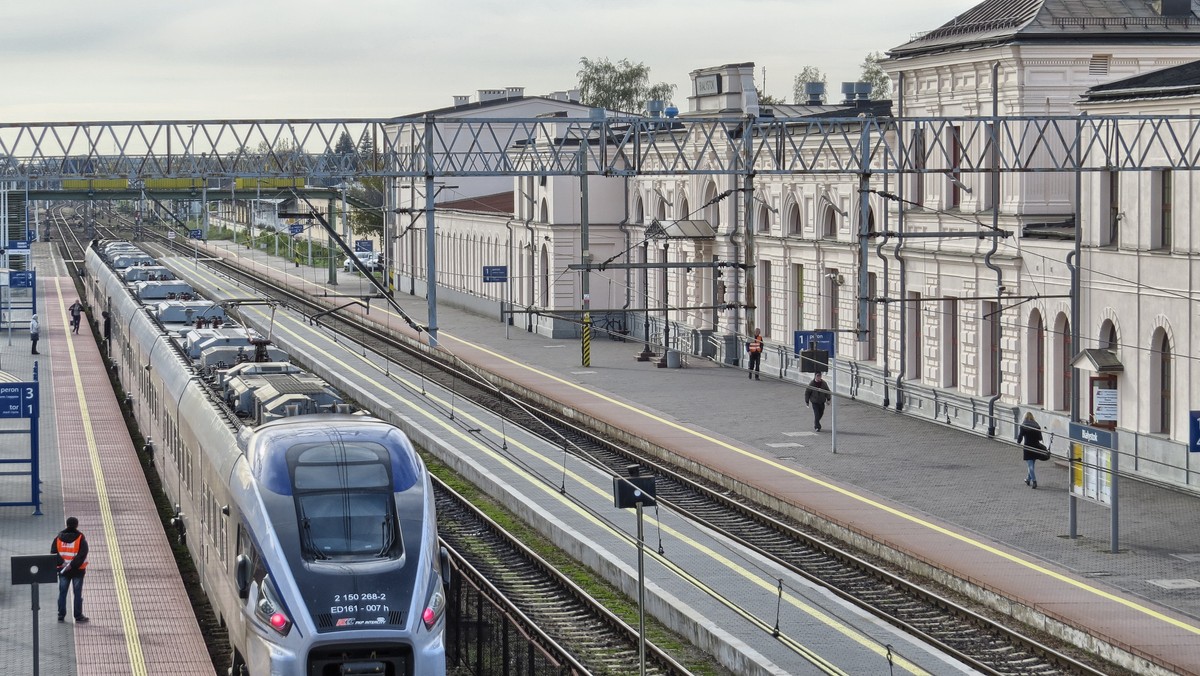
column 990, row 645
column 548, row 609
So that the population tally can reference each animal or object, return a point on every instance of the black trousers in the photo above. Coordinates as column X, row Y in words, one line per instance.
column 818, row 413
column 755, row 361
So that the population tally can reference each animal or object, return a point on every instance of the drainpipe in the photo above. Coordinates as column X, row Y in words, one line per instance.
column 900, row 262
column 987, row 258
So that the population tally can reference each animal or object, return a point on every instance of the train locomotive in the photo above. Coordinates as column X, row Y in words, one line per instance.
column 312, row 527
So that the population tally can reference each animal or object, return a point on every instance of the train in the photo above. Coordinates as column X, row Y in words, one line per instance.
column 312, row 525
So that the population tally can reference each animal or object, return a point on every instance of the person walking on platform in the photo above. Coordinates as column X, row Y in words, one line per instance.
column 34, row 327
column 72, row 550
column 76, row 311
column 816, row 395
column 1029, row 435
column 755, row 348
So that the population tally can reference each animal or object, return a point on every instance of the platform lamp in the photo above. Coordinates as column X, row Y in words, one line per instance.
column 638, row 492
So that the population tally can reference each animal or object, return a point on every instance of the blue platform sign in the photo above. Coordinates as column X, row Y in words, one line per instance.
column 19, row 245
column 22, row 279
column 822, row 340
column 295, row 228
column 19, row 400
column 1092, row 436
column 495, row 273
column 1194, row 435
column 364, row 245
column 196, row 234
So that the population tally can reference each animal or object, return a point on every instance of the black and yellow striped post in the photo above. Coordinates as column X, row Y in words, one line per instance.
column 587, row 339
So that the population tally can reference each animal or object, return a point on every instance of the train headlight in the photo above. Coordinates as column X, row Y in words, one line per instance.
column 434, row 611
column 270, row 610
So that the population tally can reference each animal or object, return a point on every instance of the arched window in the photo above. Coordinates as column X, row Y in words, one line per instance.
column 712, row 212
column 685, row 210
column 1035, row 350
column 763, row 218
column 1108, row 336
column 1160, row 382
column 544, row 216
column 829, row 222
column 793, row 219
column 639, row 214
column 660, row 210
column 1062, row 361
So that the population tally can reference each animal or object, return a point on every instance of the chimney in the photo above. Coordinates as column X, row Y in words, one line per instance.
column 461, row 100
column 814, row 93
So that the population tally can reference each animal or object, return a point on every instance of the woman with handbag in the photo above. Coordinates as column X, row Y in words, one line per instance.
column 1029, row 435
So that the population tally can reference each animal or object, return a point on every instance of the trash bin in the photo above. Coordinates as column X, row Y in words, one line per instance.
column 673, row 359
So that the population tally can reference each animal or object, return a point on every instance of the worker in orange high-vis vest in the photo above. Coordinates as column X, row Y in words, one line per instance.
column 72, row 550
column 755, row 348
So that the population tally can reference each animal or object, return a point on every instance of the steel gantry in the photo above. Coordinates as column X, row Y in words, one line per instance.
column 79, row 155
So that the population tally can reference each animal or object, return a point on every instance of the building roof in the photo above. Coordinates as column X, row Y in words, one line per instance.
column 1003, row 21
column 495, row 103
column 497, row 203
column 1176, row 81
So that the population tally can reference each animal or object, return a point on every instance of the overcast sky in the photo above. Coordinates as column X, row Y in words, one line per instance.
column 66, row 60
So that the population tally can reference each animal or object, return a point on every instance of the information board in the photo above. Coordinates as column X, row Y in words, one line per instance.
column 364, row 245
column 495, row 273
column 821, row 340
column 18, row 400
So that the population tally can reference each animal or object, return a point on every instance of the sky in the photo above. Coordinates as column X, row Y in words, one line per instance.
column 132, row 60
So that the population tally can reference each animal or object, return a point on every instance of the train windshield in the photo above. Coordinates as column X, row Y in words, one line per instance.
column 343, row 494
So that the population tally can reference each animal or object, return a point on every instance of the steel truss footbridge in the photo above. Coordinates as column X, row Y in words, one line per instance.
column 124, row 159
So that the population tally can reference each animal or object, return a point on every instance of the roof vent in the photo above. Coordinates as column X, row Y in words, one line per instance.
column 862, row 91
column 814, row 93
column 461, row 100
column 516, row 92
column 847, row 93
column 654, row 107
column 1099, row 64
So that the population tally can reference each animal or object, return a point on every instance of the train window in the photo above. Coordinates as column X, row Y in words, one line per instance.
column 337, row 524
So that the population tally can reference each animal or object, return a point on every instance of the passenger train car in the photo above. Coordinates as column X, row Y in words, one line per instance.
column 312, row 528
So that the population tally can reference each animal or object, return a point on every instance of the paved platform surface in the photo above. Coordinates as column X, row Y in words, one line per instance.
column 141, row 621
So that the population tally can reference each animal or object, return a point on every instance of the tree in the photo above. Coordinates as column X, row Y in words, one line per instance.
column 807, row 74
column 344, row 145
column 769, row 99
column 622, row 86
column 872, row 72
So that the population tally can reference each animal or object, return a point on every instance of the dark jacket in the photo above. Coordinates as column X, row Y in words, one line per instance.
column 817, row 392
column 1029, row 434
column 70, row 535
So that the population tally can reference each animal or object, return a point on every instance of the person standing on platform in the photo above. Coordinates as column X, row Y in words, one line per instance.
column 72, row 550
column 107, row 330
column 34, row 327
column 1029, row 435
column 76, row 311
column 755, row 348
column 816, row 395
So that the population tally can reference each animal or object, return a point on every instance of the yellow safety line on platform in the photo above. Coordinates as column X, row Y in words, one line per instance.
column 133, row 642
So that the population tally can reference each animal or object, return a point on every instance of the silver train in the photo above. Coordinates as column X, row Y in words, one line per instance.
column 313, row 529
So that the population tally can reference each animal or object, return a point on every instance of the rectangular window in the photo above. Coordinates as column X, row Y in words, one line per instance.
column 798, row 306
column 915, row 335
column 1114, row 208
column 986, row 362
column 872, row 318
column 764, row 298
column 1164, row 209
column 954, row 146
column 949, row 356
column 918, row 165
column 832, row 299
